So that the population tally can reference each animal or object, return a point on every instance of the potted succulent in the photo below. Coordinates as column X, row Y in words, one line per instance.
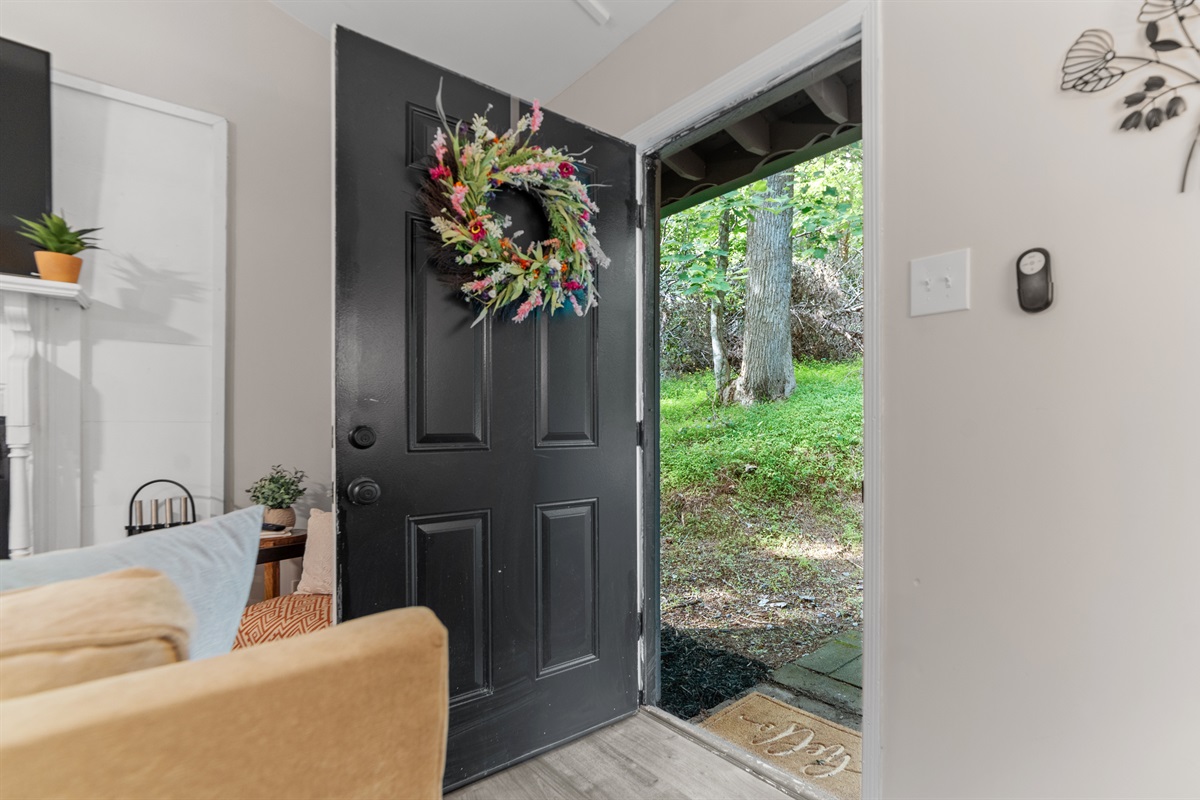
column 56, row 260
column 277, row 490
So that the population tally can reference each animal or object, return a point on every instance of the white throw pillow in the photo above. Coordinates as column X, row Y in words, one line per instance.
column 316, row 576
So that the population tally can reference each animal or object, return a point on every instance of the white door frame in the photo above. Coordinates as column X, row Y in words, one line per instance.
column 803, row 49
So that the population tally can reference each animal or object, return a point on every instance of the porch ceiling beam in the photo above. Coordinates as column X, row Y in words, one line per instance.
column 829, row 95
column 753, row 133
column 797, row 135
column 687, row 164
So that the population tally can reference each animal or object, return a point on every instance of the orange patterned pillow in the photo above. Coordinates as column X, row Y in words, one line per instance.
column 281, row 617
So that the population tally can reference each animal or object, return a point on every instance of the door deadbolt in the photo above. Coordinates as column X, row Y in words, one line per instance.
column 363, row 491
column 362, row 437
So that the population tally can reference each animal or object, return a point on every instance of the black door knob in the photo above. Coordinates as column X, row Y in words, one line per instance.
column 362, row 437
column 363, row 491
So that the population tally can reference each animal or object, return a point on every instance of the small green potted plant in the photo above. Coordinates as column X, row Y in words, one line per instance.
column 56, row 260
column 277, row 490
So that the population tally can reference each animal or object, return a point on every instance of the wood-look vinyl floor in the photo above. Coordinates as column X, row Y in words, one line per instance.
column 638, row 758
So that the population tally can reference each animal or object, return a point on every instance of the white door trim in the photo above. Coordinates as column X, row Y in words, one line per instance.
column 802, row 49
column 873, row 534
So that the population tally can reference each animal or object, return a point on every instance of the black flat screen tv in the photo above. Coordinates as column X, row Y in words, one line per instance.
column 24, row 148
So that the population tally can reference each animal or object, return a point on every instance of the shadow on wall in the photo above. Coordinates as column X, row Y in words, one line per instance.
column 151, row 303
column 319, row 495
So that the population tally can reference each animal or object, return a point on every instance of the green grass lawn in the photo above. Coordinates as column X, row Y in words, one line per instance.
column 808, row 447
column 762, row 512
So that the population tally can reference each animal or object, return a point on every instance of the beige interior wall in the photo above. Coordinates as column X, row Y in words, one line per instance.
column 269, row 76
column 1041, row 605
column 1041, row 530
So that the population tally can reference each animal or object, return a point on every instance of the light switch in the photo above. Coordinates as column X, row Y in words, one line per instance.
column 940, row 283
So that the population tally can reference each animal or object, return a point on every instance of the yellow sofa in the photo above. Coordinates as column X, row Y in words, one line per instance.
column 358, row 710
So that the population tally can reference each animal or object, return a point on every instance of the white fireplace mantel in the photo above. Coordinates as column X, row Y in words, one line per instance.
column 41, row 333
column 19, row 284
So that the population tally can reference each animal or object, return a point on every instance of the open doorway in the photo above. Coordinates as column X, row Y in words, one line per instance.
column 759, row 318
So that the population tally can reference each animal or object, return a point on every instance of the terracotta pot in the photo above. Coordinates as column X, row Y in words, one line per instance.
column 280, row 516
column 58, row 266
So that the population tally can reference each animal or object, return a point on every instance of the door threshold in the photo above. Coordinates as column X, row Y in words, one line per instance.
column 783, row 781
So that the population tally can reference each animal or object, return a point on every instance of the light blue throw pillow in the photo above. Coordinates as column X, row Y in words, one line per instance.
column 212, row 563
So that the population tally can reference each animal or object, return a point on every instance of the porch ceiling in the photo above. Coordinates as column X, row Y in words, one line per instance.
column 816, row 111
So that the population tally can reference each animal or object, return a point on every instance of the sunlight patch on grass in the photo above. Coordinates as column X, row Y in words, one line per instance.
column 804, row 550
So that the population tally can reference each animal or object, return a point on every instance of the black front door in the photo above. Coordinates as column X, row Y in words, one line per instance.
column 504, row 454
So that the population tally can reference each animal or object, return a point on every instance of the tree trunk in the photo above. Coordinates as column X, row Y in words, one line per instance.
column 767, row 371
column 716, row 314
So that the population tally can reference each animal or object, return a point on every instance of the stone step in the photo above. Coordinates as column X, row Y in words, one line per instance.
column 819, row 686
column 830, row 657
column 823, row 710
column 849, row 673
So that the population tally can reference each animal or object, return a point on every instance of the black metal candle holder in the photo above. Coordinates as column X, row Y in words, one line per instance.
column 141, row 526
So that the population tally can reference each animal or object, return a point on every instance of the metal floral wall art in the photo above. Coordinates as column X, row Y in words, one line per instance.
column 1172, row 66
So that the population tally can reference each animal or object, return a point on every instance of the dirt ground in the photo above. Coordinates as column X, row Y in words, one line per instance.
column 771, row 588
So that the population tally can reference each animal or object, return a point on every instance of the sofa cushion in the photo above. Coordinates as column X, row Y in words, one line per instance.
column 212, row 563
column 80, row 630
column 316, row 576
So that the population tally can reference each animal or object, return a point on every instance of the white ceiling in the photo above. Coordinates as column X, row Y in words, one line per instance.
column 533, row 49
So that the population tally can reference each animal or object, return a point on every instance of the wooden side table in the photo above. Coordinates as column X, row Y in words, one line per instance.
column 272, row 550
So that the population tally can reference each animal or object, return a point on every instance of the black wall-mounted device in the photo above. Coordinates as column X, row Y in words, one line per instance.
column 1035, row 285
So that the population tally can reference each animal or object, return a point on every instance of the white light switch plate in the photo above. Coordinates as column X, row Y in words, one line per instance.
column 940, row 283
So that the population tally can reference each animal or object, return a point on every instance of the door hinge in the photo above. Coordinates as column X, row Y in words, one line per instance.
column 641, row 433
column 641, row 215
column 641, row 622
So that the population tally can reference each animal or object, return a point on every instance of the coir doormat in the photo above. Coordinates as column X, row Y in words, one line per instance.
column 819, row 752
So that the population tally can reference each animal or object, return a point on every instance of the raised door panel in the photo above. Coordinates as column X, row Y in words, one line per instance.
column 565, row 394
column 566, row 589
column 449, row 380
column 449, row 573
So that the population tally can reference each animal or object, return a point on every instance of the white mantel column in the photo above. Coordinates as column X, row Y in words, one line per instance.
column 40, row 390
column 18, row 350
